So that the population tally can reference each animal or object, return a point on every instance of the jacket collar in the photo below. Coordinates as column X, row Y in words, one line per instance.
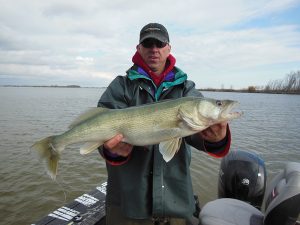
column 144, row 69
column 178, row 77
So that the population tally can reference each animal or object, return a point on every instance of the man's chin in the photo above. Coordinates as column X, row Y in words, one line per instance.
column 153, row 63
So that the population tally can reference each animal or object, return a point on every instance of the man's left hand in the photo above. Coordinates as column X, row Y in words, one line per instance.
column 215, row 133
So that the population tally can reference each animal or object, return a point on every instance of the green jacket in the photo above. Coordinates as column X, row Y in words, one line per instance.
column 144, row 185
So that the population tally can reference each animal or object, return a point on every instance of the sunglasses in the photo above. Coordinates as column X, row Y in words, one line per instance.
column 149, row 43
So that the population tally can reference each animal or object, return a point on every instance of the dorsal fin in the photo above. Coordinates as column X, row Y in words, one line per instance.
column 88, row 114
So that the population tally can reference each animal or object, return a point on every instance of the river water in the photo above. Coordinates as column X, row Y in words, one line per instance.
column 269, row 127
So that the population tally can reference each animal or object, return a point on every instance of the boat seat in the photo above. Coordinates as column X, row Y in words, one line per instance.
column 282, row 204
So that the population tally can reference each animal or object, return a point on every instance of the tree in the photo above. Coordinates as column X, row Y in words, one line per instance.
column 290, row 84
column 251, row 89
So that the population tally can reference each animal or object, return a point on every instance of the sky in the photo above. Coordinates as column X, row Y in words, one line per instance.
column 219, row 44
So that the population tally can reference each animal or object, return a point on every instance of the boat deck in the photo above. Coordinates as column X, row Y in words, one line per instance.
column 87, row 209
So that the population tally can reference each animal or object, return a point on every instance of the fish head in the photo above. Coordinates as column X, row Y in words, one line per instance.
column 217, row 110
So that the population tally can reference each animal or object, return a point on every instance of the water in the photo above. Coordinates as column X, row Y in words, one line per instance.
column 269, row 127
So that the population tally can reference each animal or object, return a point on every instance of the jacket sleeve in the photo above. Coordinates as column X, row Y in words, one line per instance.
column 114, row 97
column 112, row 159
column 216, row 149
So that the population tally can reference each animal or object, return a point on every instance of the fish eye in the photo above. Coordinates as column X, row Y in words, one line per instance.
column 219, row 103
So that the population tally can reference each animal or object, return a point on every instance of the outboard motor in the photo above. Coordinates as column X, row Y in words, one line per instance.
column 242, row 176
column 282, row 204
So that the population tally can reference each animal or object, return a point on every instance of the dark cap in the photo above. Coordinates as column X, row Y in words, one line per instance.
column 156, row 31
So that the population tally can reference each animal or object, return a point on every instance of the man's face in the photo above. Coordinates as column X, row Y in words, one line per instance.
column 154, row 54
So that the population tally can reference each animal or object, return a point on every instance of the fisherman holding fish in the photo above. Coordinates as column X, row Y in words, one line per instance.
column 143, row 187
column 143, row 127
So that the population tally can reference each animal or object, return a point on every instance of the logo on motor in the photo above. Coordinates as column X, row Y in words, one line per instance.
column 245, row 181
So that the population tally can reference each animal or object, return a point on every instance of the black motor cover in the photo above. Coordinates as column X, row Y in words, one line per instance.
column 242, row 176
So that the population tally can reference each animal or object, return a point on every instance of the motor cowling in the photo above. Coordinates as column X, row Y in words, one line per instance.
column 242, row 176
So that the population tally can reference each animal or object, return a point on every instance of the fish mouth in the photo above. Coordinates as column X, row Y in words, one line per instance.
column 228, row 114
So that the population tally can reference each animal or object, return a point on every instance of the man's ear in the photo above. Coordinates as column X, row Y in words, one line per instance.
column 170, row 48
column 138, row 48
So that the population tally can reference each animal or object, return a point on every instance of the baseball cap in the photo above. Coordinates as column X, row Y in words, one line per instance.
column 156, row 31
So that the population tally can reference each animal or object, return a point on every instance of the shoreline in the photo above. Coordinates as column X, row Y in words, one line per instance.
column 200, row 89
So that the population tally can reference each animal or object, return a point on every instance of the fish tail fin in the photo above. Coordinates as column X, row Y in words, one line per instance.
column 48, row 153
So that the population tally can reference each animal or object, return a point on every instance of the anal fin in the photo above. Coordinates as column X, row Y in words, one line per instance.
column 89, row 147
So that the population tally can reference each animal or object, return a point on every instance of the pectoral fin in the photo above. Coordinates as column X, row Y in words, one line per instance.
column 190, row 120
column 89, row 147
column 169, row 148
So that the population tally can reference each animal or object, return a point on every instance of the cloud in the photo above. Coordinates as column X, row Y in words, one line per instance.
column 220, row 55
column 91, row 42
column 63, row 9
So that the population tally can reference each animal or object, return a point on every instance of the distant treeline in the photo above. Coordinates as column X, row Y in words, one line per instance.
column 52, row 86
column 289, row 85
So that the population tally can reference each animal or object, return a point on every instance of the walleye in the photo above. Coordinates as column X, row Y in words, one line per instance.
column 164, row 123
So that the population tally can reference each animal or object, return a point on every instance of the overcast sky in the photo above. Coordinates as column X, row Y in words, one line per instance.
column 231, row 44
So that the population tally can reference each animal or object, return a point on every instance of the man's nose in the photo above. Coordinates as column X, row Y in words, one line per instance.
column 154, row 47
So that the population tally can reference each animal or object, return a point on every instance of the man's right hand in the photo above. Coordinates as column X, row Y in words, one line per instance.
column 116, row 146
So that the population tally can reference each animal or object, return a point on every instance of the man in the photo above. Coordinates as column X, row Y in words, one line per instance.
column 142, row 188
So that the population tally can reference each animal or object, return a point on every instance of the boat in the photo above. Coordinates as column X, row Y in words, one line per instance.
column 241, row 192
column 241, row 203
column 87, row 209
